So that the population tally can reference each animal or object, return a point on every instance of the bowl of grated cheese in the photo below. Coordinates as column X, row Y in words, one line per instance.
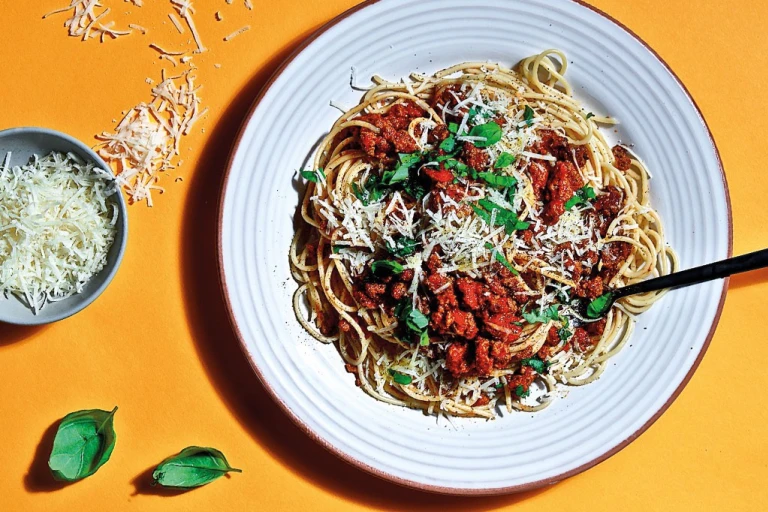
column 63, row 226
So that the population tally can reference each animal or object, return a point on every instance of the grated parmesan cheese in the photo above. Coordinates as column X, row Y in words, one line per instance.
column 56, row 227
column 147, row 140
column 83, row 21
column 237, row 33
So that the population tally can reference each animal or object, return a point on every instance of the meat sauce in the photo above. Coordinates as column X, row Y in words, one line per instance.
column 481, row 317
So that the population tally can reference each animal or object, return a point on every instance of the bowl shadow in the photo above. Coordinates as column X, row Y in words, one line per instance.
column 10, row 333
column 225, row 363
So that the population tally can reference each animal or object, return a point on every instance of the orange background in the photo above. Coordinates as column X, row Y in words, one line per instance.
column 158, row 343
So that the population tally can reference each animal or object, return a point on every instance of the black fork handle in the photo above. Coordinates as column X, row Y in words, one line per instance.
column 710, row 272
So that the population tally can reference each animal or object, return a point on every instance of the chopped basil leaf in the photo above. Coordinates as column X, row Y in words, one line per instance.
column 498, row 385
column 564, row 333
column 400, row 378
column 537, row 364
column 528, row 114
column 413, row 320
column 403, row 246
column 313, row 176
column 501, row 259
column 402, row 172
column 521, row 392
column 336, row 248
column 386, row 268
column 590, row 115
column 505, row 160
column 541, row 317
column 504, row 217
column 372, row 192
column 600, row 305
column 453, row 128
column 497, row 180
column 582, row 196
column 490, row 131
column 449, row 144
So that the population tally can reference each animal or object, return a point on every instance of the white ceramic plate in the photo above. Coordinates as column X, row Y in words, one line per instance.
column 614, row 73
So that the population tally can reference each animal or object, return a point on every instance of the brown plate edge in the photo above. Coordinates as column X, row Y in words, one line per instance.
column 409, row 483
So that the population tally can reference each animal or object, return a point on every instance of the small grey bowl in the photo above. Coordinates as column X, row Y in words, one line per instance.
column 23, row 143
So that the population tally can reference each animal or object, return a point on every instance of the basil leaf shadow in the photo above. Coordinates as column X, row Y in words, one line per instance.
column 38, row 477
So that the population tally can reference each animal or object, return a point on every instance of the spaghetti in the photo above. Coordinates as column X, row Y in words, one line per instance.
column 451, row 228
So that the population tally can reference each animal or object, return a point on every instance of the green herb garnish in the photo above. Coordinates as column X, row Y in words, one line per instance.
column 413, row 320
column 501, row 258
column 590, row 115
column 453, row 128
column 541, row 317
column 313, row 176
column 448, row 144
column 402, row 247
column 497, row 180
column 600, row 305
column 84, row 442
column 386, row 268
column 504, row 217
column 400, row 378
column 491, row 132
column 521, row 392
column 505, row 160
column 582, row 196
column 537, row 364
column 528, row 114
column 192, row 467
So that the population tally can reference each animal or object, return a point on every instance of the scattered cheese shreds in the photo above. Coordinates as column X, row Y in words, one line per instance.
column 176, row 23
column 248, row 5
column 147, row 140
column 185, row 10
column 219, row 17
column 83, row 21
column 56, row 227
column 237, row 33
column 137, row 27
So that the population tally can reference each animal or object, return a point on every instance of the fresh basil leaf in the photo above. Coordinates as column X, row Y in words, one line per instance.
column 490, row 131
column 192, row 467
column 498, row 385
column 537, row 364
column 372, row 192
column 336, row 249
column 309, row 176
column 564, row 333
column 497, row 180
column 504, row 217
column 600, row 305
column 505, row 160
column 403, row 246
column 528, row 114
column 402, row 172
column 590, row 115
column 521, row 392
column 448, row 144
column 541, row 317
column 453, row 128
column 400, row 378
column 84, row 442
column 413, row 320
column 386, row 268
column 482, row 214
column 501, row 258
column 582, row 196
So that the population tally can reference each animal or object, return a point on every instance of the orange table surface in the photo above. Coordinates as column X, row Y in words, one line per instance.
column 158, row 343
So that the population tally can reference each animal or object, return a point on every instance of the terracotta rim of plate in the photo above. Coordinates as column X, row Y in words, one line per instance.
column 409, row 483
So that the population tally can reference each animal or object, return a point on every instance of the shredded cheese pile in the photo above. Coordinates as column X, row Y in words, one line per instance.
column 86, row 23
column 56, row 227
column 147, row 139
